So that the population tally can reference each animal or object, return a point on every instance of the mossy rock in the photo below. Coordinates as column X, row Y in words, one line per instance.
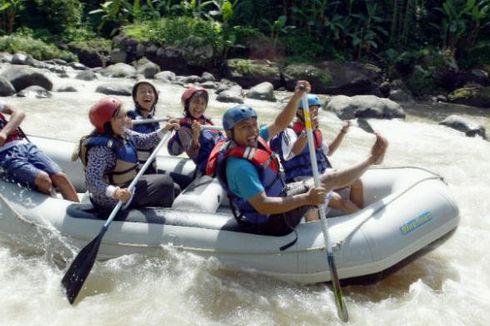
column 319, row 78
column 471, row 95
column 249, row 73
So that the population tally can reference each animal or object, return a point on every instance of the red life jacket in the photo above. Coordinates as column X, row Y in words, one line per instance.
column 258, row 156
column 298, row 127
column 15, row 135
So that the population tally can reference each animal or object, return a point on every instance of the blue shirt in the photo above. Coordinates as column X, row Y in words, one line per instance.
column 242, row 176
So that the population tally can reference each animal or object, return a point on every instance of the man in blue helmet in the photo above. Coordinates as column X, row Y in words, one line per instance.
column 292, row 147
column 249, row 171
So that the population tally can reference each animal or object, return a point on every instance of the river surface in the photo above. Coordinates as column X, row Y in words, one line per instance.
column 448, row 286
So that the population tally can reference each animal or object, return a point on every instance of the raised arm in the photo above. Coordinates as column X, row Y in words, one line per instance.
column 285, row 117
column 16, row 118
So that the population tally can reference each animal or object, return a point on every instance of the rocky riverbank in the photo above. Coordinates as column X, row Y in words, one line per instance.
column 356, row 91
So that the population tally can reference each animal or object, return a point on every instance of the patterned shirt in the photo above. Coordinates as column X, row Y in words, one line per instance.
column 101, row 159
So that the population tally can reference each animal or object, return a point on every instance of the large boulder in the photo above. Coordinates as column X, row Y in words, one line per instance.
column 350, row 78
column 263, row 91
column 114, row 89
column 168, row 58
column 119, row 70
column 364, row 106
column 249, row 73
column 6, row 88
column 23, row 77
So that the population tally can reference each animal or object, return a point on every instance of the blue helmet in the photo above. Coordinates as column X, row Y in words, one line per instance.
column 312, row 101
column 236, row 114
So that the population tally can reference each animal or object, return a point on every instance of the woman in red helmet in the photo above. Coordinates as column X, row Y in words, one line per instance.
column 109, row 155
column 196, row 142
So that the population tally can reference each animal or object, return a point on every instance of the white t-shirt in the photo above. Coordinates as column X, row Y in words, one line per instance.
column 288, row 140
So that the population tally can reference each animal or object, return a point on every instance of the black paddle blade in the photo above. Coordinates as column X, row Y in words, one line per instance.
column 364, row 125
column 80, row 268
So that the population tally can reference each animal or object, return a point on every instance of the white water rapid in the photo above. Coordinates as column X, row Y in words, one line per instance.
column 447, row 286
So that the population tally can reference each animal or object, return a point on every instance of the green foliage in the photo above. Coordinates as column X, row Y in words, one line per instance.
column 37, row 49
column 8, row 11
column 97, row 44
column 461, row 22
column 301, row 45
column 173, row 31
column 54, row 16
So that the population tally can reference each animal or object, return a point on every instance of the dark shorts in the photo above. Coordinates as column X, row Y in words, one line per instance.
column 284, row 223
column 23, row 162
column 157, row 190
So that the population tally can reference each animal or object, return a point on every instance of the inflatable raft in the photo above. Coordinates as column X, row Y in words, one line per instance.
column 407, row 211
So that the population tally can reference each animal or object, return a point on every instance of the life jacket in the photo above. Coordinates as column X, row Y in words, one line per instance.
column 145, row 128
column 15, row 135
column 126, row 166
column 300, row 165
column 267, row 167
column 207, row 140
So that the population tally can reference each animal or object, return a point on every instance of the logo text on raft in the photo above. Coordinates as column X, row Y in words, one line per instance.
column 416, row 222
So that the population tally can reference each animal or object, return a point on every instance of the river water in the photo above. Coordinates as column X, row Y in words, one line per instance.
column 448, row 286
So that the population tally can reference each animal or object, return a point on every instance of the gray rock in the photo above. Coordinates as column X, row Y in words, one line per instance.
column 20, row 59
column 148, row 69
column 364, row 106
column 119, row 70
column 263, row 91
column 22, row 77
column 118, row 56
column 114, row 89
column 6, row 88
column 87, row 75
column 209, row 85
column 207, row 76
column 34, row 91
column 231, row 95
column 166, row 76
column 6, row 57
column 460, row 123
column 77, row 66
column 67, row 89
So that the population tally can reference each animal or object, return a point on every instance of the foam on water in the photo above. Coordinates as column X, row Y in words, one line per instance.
column 448, row 286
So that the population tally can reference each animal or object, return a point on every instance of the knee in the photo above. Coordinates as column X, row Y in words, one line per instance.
column 43, row 182
column 357, row 185
column 58, row 178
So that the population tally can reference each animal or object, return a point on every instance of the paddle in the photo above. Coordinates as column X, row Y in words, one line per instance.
column 364, row 125
column 84, row 261
column 143, row 121
column 337, row 290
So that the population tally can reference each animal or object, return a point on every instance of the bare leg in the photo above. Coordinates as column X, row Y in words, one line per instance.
column 343, row 178
column 43, row 183
column 357, row 193
column 61, row 181
column 343, row 205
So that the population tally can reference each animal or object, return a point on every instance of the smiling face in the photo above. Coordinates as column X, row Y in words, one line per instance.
column 197, row 105
column 118, row 122
column 246, row 132
column 145, row 97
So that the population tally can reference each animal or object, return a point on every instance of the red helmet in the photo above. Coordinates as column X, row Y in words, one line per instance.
column 103, row 111
column 188, row 93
